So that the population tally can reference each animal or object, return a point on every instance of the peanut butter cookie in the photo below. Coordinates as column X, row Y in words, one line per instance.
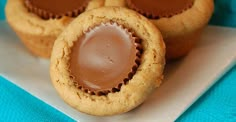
column 39, row 22
column 180, row 22
column 109, row 64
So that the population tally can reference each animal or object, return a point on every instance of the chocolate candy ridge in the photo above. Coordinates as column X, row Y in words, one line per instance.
column 55, row 9
column 92, row 71
column 156, row 9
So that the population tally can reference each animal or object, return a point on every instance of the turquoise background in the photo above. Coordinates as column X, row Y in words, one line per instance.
column 218, row 104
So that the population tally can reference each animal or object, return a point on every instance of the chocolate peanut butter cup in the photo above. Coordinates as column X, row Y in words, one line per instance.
column 155, row 9
column 105, row 58
column 56, row 8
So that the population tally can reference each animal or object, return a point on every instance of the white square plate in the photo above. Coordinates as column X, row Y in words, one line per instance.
column 185, row 80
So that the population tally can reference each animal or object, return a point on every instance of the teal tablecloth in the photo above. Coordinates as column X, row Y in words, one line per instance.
column 218, row 104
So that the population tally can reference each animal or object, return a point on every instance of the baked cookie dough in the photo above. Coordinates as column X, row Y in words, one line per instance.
column 38, row 22
column 109, row 64
column 180, row 23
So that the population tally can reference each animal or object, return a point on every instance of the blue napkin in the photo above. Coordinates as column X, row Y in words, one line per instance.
column 225, row 13
column 218, row 104
column 16, row 105
column 2, row 4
